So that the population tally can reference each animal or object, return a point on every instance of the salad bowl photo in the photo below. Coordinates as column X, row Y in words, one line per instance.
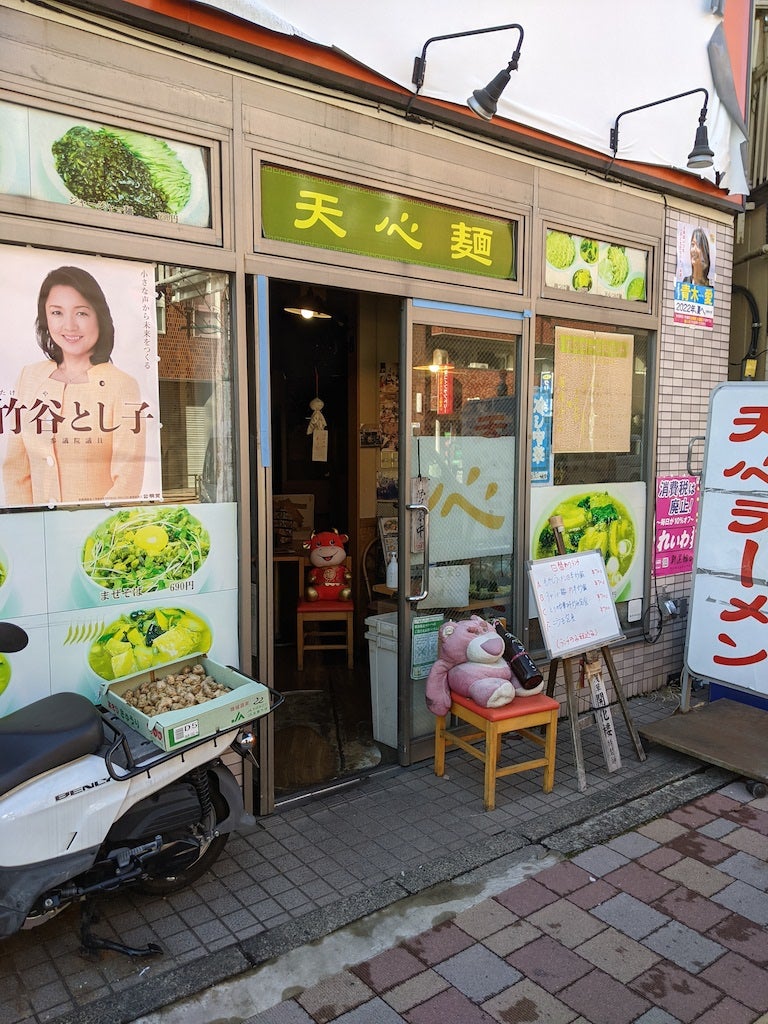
column 592, row 520
column 5, row 673
column 5, row 576
column 146, row 550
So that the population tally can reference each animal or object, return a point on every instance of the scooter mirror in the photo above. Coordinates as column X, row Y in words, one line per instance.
column 12, row 638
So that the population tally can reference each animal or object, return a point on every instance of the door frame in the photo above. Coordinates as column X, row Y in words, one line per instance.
column 468, row 317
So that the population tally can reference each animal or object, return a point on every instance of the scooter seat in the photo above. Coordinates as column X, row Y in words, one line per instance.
column 46, row 734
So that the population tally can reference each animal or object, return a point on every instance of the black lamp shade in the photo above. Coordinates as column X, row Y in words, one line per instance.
column 701, row 155
column 483, row 101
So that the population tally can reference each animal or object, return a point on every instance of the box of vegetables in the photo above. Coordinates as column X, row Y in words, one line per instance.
column 186, row 700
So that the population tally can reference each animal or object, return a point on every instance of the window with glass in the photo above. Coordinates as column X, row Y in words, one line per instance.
column 195, row 384
column 463, row 466
column 591, row 405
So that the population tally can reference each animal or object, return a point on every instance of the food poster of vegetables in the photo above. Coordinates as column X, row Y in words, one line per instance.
column 25, row 676
column 61, row 159
column 23, row 581
column 606, row 517
column 180, row 561
column 592, row 402
column 105, row 558
column 578, row 263
column 98, row 438
column 96, row 646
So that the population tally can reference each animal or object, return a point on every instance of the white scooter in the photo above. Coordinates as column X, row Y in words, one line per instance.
column 88, row 806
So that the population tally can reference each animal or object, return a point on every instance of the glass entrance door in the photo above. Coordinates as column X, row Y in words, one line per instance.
column 459, row 487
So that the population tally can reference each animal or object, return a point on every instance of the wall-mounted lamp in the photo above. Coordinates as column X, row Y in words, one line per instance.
column 310, row 307
column 701, row 155
column 482, row 102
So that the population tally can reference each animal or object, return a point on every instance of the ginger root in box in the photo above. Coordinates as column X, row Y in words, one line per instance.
column 185, row 689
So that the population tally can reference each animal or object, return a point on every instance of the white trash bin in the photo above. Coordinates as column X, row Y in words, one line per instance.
column 381, row 635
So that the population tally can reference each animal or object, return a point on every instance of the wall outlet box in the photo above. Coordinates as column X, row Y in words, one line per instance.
column 635, row 609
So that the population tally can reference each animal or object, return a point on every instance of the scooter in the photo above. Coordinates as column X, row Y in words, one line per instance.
column 89, row 806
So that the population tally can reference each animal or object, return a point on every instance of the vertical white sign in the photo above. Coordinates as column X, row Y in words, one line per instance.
column 728, row 626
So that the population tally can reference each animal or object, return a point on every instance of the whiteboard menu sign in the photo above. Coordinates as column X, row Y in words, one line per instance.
column 573, row 598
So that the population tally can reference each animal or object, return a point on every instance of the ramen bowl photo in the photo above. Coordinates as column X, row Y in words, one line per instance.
column 148, row 638
column 592, row 520
column 5, row 576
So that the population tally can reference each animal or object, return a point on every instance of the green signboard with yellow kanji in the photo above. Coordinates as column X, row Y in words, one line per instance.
column 329, row 214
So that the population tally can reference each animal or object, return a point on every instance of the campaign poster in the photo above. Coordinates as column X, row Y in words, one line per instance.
column 79, row 395
column 677, row 512
column 694, row 301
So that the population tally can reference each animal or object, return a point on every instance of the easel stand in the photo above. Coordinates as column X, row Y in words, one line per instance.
column 600, row 713
column 589, row 663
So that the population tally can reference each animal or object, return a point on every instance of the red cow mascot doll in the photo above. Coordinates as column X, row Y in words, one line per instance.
column 329, row 578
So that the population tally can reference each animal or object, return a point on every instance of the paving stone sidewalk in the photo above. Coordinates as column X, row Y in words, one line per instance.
column 316, row 866
column 662, row 924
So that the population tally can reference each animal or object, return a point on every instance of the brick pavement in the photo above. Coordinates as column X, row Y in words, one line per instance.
column 316, row 866
column 664, row 924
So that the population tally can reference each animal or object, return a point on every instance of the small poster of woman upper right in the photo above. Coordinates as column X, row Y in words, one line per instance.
column 695, row 277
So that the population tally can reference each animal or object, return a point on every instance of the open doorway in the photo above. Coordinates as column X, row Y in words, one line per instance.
column 323, row 731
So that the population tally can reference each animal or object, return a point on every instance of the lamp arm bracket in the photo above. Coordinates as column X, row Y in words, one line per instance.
column 420, row 62
column 614, row 135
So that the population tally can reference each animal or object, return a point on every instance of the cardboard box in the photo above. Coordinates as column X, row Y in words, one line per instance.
column 173, row 729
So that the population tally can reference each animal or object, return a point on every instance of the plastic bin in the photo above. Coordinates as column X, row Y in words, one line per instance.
column 381, row 635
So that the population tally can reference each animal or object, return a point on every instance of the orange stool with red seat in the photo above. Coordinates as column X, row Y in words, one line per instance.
column 522, row 715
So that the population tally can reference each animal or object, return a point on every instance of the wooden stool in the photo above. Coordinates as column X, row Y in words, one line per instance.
column 313, row 614
column 521, row 716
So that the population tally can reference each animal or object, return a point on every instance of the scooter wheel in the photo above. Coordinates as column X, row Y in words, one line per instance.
column 756, row 788
column 164, row 885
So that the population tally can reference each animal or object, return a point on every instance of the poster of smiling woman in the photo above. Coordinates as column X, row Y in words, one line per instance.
column 79, row 397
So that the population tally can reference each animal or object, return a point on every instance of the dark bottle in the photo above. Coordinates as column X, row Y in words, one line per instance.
column 518, row 658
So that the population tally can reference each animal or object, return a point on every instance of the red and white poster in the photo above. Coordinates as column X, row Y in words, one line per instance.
column 79, row 405
column 444, row 385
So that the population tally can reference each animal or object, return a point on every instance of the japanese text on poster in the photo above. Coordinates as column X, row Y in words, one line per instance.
column 573, row 598
column 677, row 509
column 79, row 397
column 541, row 432
column 694, row 304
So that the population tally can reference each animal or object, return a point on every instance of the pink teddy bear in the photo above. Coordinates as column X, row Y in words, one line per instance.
column 471, row 663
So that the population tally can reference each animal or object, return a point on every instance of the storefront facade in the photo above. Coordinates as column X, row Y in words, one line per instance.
column 538, row 356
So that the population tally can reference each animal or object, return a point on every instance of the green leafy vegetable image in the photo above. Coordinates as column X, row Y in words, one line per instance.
column 582, row 280
column 614, row 266
column 636, row 289
column 594, row 520
column 589, row 250
column 122, row 169
column 561, row 249
column 145, row 548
